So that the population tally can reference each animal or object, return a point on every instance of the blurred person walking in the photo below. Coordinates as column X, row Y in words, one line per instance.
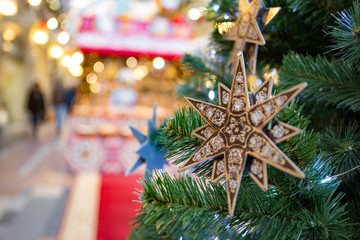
column 69, row 97
column 60, row 105
column 36, row 107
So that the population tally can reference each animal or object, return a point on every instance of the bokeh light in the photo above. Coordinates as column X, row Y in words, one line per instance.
column 40, row 37
column 194, row 14
column 211, row 95
column 63, row 38
column 77, row 58
column 7, row 46
column 8, row 8
column 76, row 70
column 99, row 67
column 66, row 61
column 208, row 84
column 131, row 62
column 140, row 72
column 91, row 78
column 95, row 88
column 52, row 23
column 34, row 2
column 9, row 35
column 158, row 63
column 55, row 5
column 56, row 52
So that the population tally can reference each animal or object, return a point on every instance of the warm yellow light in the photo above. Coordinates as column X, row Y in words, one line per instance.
column 99, row 67
column 8, row 7
column 76, row 70
column 34, row 2
column 9, row 35
column 91, row 78
column 63, row 38
column 52, row 23
column 131, row 62
column 224, row 27
column 194, row 14
column 56, row 52
column 66, row 61
column 7, row 46
column 77, row 58
column 95, row 88
column 40, row 37
column 158, row 63
column 208, row 84
column 140, row 72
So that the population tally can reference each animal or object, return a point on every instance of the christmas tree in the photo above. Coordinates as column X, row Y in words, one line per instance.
column 317, row 42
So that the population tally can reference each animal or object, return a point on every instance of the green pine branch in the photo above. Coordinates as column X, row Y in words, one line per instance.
column 328, row 81
column 341, row 146
column 194, row 209
column 317, row 13
column 346, row 34
column 176, row 134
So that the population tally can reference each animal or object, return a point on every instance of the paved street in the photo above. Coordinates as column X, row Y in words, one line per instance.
column 34, row 187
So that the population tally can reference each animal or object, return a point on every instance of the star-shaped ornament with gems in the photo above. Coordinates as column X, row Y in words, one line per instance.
column 237, row 133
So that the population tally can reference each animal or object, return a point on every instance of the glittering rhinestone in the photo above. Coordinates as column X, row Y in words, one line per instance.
column 232, row 138
column 278, row 131
column 234, row 171
column 279, row 100
column 238, row 104
column 219, row 118
column 201, row 106
column 209, row 112
column 235, row 156
column 255, row 142
column 217, row 143
column 256, row 167
column 256, row 117
column 221, row 166
column 266, row 151
column 261, row 96
column 277, row 158
column 269, row 108
column 239, row 78
column 197, row 157
column 206, row 150
column 238, row 90
column 208, row 132
column 233, row 184
column 225, row 98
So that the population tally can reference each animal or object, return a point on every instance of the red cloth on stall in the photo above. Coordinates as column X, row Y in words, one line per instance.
column 117, row 206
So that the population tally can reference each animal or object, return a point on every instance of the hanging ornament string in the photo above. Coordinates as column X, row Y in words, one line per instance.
column 343, row 173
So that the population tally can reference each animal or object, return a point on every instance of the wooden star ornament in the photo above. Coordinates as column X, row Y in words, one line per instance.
column 238, row 136
column 247, row 30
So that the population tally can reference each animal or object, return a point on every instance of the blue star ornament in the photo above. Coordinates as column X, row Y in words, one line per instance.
column 148, row 151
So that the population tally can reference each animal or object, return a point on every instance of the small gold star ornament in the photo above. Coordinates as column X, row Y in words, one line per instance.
column 238, row 136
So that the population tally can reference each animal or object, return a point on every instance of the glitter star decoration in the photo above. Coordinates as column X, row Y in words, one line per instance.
column 247, row 30
column 238, row 136
column 148, row 150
